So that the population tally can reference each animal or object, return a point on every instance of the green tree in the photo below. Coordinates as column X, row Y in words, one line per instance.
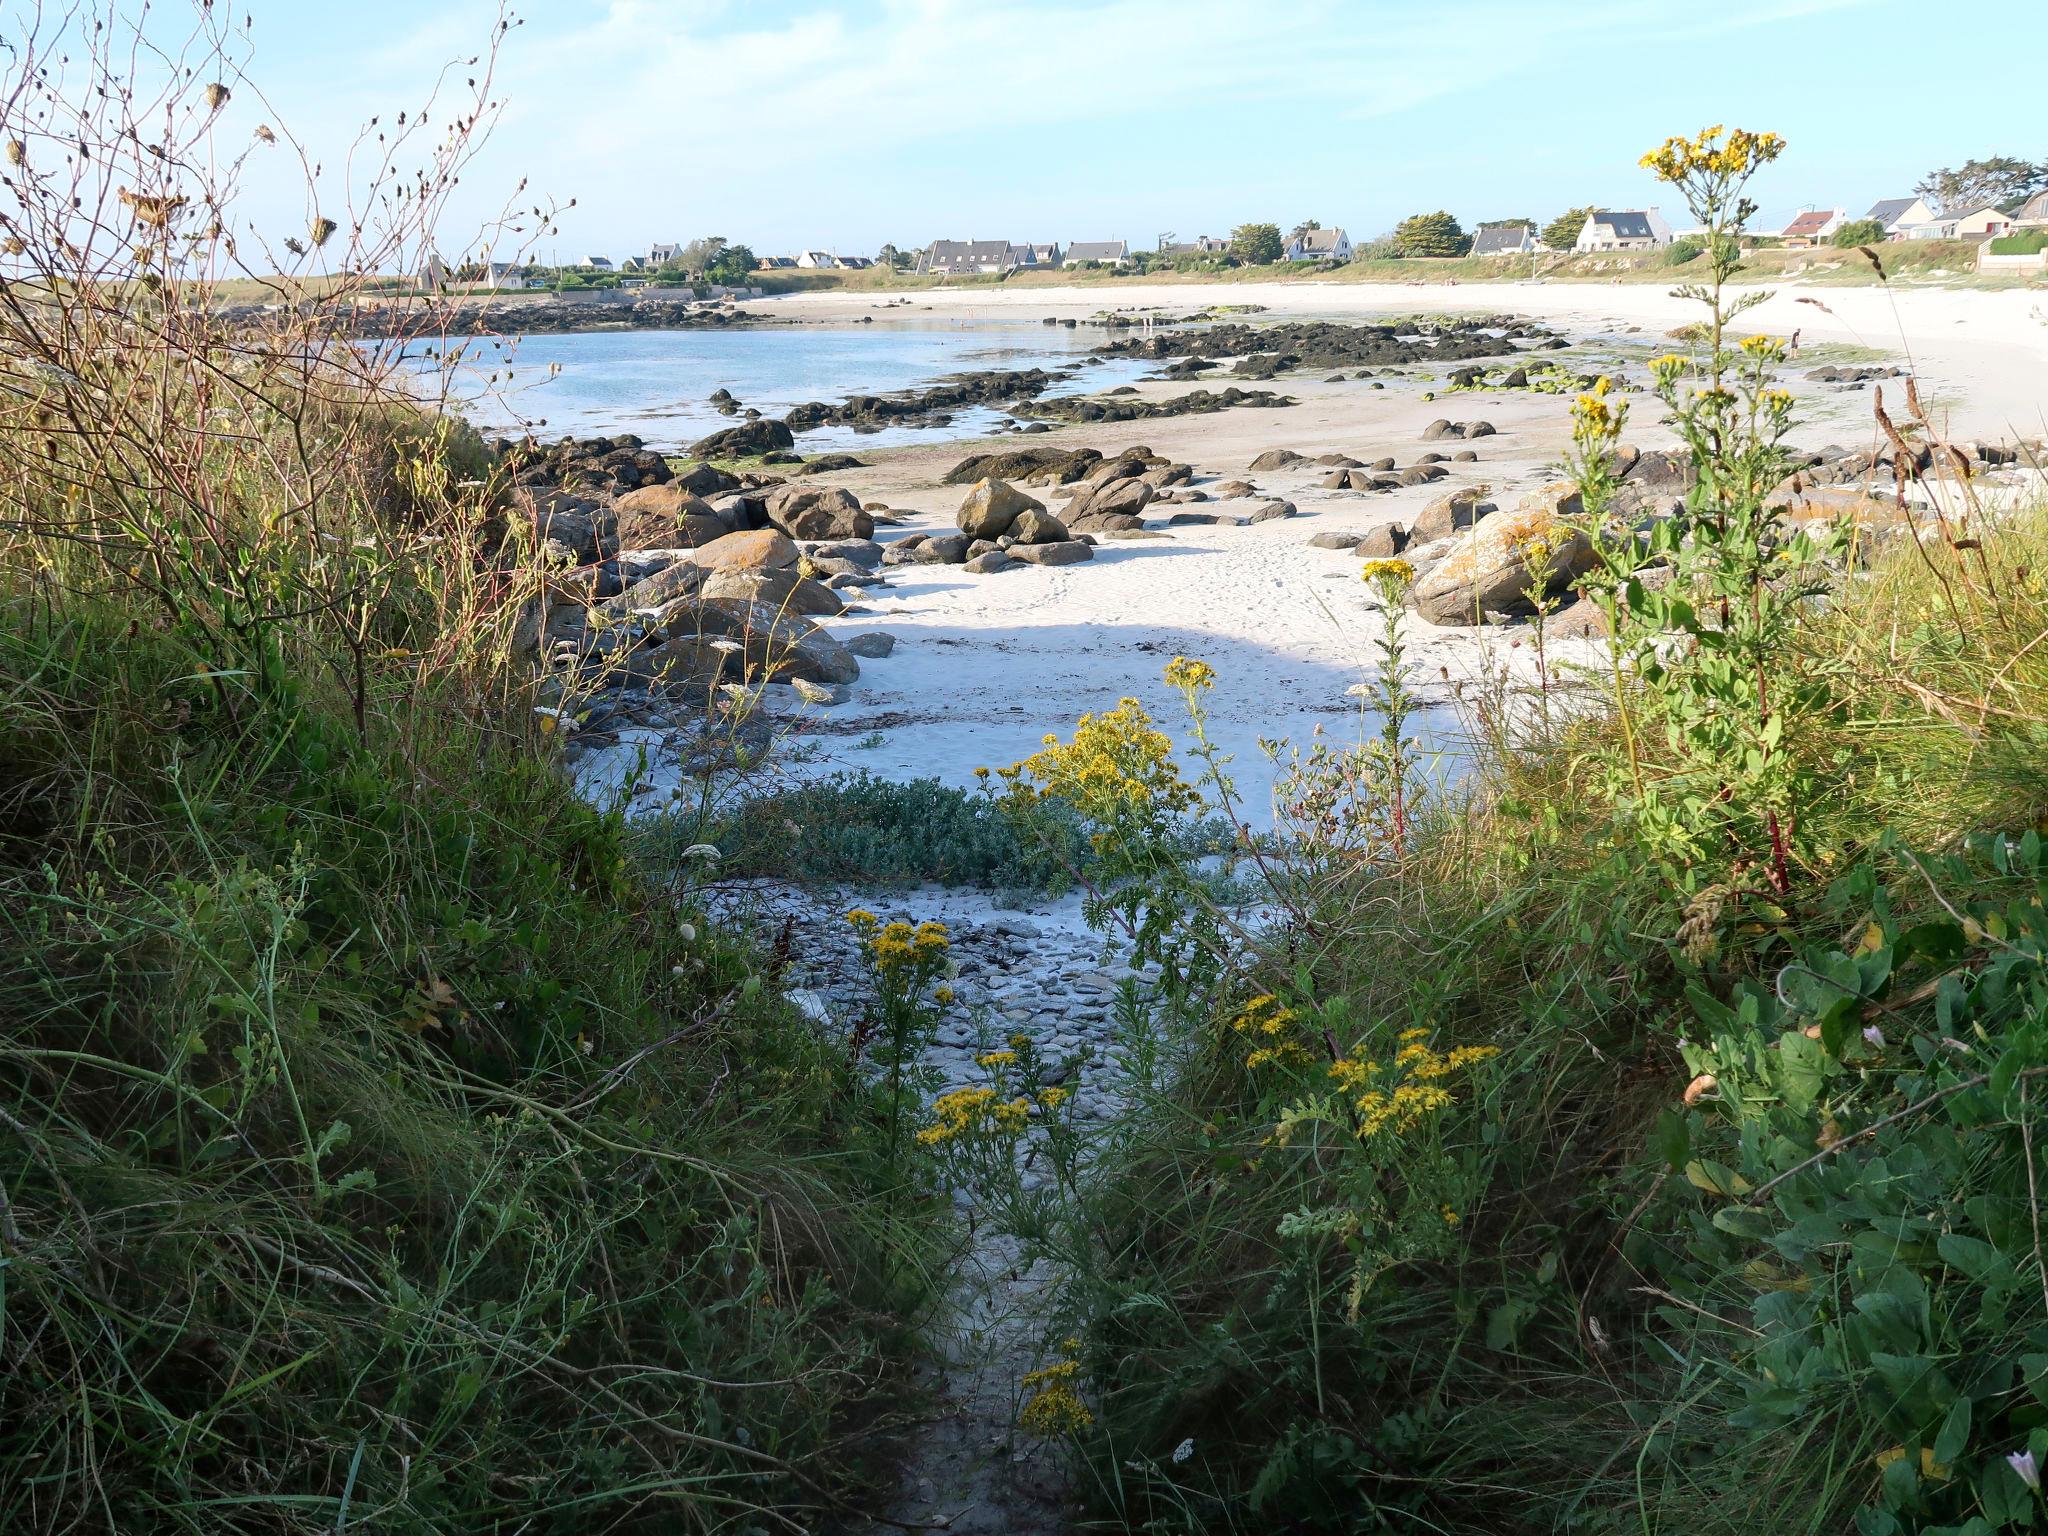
column 1302, row 228
column 1860, row 232
column 895, row 260
column 1562, row 232
column 2001, row 181
column 1430, row 234
column 1257, row 245
column 732, row 265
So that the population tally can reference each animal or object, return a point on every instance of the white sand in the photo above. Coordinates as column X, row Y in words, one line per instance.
column 986, row 665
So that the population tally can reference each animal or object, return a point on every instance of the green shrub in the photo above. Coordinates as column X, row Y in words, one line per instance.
column 860, row 829
column 1859, row 232
column 2026, row 242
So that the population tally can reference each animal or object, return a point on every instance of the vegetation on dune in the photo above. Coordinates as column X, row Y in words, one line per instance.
column 1638, row 1135
column 381, row 1147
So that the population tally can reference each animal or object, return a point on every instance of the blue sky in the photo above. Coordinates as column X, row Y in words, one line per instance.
column 793, row 123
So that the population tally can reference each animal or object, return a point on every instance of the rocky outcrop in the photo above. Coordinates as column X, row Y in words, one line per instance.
column 1494, row 565
column 760, row 549
column 991, row 507
column 1028, row 466
column 1323, row 345
column 749, row 440
column 1451, row 513
column 817, row 512
column 665, row 517
column 1200, row 402
column 784, row 590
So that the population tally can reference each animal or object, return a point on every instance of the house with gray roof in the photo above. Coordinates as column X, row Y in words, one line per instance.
column 1038, row 255
column 1897, row 215
column 966, row 258
column 1614, row 229
column 2033, row 213
column 1107, row 253
column 1320, row 245
column 1504, row 240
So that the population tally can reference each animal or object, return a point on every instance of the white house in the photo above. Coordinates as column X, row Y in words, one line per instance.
column 817, row 260
column 1980, row 223
column 1897, row 215
column 598, row 263
column 1109, row 253
column 1607, row 229
column 1320, row 245
column 964, row 258
column 1037, row 255
column 1814, row 225
column 1201, row 245
column 664, row 254
column 1504, row 240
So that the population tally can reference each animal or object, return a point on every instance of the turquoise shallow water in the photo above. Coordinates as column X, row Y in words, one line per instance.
column 655, row 383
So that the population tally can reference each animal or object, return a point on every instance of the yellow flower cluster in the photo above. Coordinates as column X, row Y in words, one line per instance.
column 1263, row 1015
column 965, row 1110
column 1265, row 1018
column 1052, row 1098
column 1395, row 572
column 1116, row 763
column 1779, row 400
column 996, row 1059
column 1401, row 1095
column 1055, row 1407
column 1183, row 673
column 1767, row 349
column 898, row 947
column 1709, row 155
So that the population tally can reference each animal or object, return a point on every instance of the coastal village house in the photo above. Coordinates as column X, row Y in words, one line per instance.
column 598, row 263
column 2033, row 213
column 855, row 263
column 664, row 254
column 1038, row 255
column 1973, row 224
column 1900, row 215
column 1107, row 253
column 1608, row 229
column 1320, row 245
column 817, row 260
column 967, row 258
column 1504, row 240
column 774, row 263
column 1201, row 245
column 1813, row 226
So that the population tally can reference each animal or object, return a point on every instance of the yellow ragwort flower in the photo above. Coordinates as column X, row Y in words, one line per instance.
column 1181, row 672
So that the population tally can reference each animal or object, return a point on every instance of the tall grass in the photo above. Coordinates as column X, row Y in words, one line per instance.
column 381, row 1147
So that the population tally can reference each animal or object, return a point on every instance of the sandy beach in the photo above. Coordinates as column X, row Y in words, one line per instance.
column 985, row 666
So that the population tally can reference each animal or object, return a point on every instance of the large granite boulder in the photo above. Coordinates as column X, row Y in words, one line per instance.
column 1277, row 458
column 759, row 549
column 665, row 517
column 1065, row 552
column 705, row 480
column 785, row 590
column 818, row 512
column 749, row 440
column 1494, row 565
column 1034, row 525
column 1450, row 513
column 991, row 507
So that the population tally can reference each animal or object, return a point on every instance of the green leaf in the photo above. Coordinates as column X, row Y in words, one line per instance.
column 1672, row 1139
column 1953, row 1438
column 1977, row 1259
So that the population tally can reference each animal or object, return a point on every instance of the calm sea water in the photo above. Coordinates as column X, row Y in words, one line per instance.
column 655, row 383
